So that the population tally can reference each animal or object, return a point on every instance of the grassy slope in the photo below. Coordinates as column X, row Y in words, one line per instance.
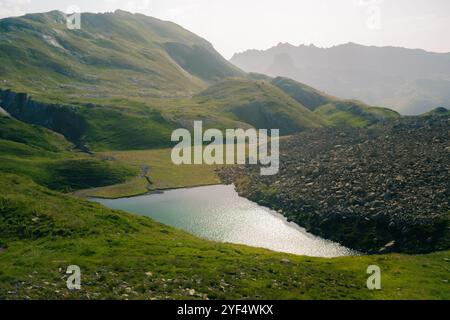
column 440, row 111
column 43, row 231
column 232, row 103
column 353, row 113
column 334, row 111
column 46, row 157
column 113, row 54
column 157, row 173
column 33, row 136
column 132, row 123
column 131, row 79
column 260, row 104
column 118, row 129
column 307, row 96
column 125, row 256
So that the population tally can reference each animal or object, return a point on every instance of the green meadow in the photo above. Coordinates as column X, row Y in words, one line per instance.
column 89, row 113
column 123, row 256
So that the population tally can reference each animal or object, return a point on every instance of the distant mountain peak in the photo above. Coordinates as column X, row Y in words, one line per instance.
column 285, row 45
column 120, row 11
column 412, row 81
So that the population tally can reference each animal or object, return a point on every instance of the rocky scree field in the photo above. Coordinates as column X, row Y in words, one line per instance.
column 378, row 190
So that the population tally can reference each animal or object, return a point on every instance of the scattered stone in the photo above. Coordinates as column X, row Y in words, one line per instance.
column 364, row 187
column 191, row 292
column 390, row 244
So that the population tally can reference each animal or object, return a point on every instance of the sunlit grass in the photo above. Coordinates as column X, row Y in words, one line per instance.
column 123, row 256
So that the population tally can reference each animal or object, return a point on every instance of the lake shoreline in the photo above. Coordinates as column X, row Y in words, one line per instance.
column 220, row 214
column 378, row 190
column 150, row 192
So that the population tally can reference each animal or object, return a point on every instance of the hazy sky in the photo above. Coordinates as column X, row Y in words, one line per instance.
column 236, row 25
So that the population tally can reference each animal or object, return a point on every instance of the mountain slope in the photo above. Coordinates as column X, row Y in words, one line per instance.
column 353, row 113
column 307, row 96
column 334, row 111
column 49, row 159
column 126, row 81
column 440, row 111
column 113, row 54
column 33, row 136
column 260, row 104
column 92, row 126
column 409, row 81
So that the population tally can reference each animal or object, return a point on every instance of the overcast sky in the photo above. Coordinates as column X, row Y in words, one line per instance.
column 236, row 25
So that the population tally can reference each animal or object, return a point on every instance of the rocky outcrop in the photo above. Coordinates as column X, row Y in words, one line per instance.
column 59, row 118
column 384, row 189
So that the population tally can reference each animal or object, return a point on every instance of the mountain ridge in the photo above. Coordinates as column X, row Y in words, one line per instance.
column 126, row 81
column 350, row 43
column 412, row 81
column 141, row 49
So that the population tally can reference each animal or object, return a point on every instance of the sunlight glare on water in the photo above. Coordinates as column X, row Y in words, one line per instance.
column 219, row 213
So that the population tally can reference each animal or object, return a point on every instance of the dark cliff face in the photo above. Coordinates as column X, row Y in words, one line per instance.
column 59, row 118
column 89, row 126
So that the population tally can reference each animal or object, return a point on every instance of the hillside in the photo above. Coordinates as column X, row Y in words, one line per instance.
column 353, row 113
column 307, row 96
column 440, row 111
column 113, row 54
column 131, row 124
column 259, row 104
column 334, row 111
column 89, row 113
column 50, row 160
column 34, row 136
column 123, row 256
column 98, row 86
column 406, row 80
column 126, row 81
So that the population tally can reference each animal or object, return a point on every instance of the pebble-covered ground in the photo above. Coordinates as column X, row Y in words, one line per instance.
column 380, row 189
